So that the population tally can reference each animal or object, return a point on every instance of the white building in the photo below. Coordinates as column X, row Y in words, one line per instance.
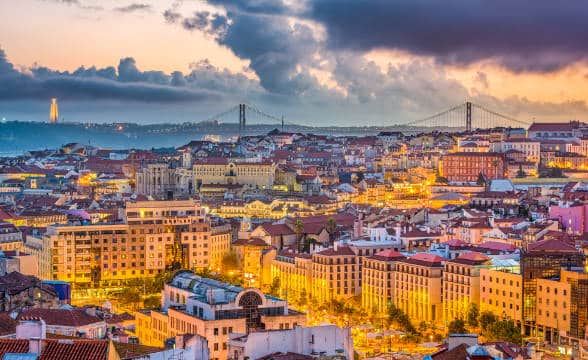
column 328, row 340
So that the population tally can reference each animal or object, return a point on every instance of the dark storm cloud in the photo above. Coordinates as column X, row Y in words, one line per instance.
column 523, row 35
column 275, row 49
column 133, row 7
column 96, row 84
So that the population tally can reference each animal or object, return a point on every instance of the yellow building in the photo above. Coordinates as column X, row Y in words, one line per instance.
column 562, row 315
column 553, row 308
column 257, row 209
column 249, row 252
column 225, row 171
column 294, row 272
column 461, row 285
column 335, row 274
column 377, row 288
column 417, row 287
column 501, row 293
column 155, row 236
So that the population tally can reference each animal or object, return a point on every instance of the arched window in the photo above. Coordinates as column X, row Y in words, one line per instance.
column 250, row 301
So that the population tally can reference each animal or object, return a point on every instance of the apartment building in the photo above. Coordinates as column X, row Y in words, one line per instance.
column 461, row 284
column 501, row 292
column 377, row 289
column 467, row 166
column 335, row 274
column 418, row 287
column 156, row 235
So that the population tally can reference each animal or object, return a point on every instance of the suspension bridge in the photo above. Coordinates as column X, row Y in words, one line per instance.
column 466, row 116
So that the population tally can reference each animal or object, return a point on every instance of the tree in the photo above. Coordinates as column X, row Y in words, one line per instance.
column 307, row 242
column 275, row 286
column 473, row 314
column 487, row 318
column 397, row 316
column 299, row 230
column 505, row 330
column 423, row 326
column 230, row 261
column 129, row 298
column 457, row 326
column 331, row 227
column 152, row 302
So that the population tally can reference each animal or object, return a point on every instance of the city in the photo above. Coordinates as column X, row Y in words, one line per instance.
column 293, row 180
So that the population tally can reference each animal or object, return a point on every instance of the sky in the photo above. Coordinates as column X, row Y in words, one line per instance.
column 316, row 62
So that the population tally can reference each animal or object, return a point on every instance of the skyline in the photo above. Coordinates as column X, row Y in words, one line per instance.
column 315, row 62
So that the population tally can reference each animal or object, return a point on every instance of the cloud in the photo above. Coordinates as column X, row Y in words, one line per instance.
column 523, row 35
column 129, row 84
column 133, row 8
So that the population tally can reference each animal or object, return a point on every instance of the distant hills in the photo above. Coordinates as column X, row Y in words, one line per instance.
column 18, row 136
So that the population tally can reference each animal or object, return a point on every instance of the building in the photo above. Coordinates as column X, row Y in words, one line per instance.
column 553, row 131
column 543, row 260
column 73, row 322
column 10, row 237
column 377, row 288
column 328, row 340
column 19, row 261
column 467, row 166
column 530, row 148
column 335, row 274
column 155, row 236
column 461, row 284
column 418, row 287
column 501, row 293
column 20, row 291
column 213, row 309
column 562, row 311
column 224, row 171
column 293, row 272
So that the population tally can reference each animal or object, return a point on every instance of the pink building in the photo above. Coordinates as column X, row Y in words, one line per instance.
column 570, row 216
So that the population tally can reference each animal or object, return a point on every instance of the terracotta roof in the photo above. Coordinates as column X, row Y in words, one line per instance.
column 552, row 245
column 457, row 353
column 387, row 255
column 341, row 251
column 425, row 259
column 63, row 317
column 128, row 351
column 496, row 245
column 13, row 346
column 277, row 229
column 7, row 325
column 471, row 258
column 555, row 126
column 74, row 350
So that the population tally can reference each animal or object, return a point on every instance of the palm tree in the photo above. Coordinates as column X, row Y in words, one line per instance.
column 331, row 227
column 299, row 230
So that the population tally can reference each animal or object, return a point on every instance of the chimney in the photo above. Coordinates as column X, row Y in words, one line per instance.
column 34, row 330
column 397, row 230
column 335, row 245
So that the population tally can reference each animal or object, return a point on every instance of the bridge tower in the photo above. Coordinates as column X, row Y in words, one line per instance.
column 242, row 117
column 468, row 116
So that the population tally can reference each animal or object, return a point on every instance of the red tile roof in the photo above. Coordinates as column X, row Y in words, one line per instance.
column 62, row 317
column 387, row 255
column 13, row 346
column 552, row 245
column 74, row 350
column 341, row 251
